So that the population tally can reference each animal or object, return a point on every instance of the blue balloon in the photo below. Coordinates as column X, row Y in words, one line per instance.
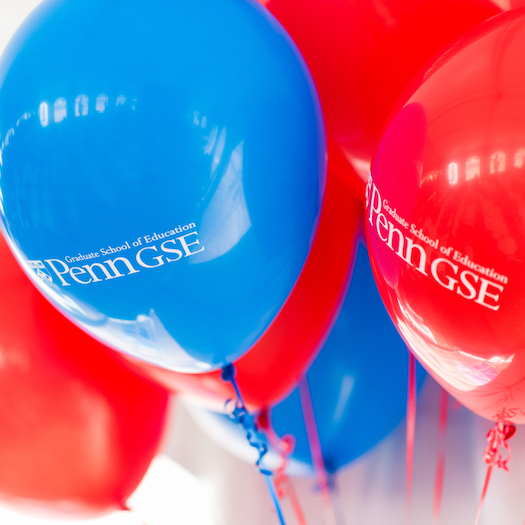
column 357, row 383
column 358, row 386
column 162, row 170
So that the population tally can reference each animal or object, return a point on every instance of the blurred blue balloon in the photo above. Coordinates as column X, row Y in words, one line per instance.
column 358, row 382
column 162, row 170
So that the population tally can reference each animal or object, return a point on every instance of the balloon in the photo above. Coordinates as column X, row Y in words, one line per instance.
column 78, row 429
column 272, row 366
column 358, row 384
column 162, row 171
column 362, row 54
column 445, row 218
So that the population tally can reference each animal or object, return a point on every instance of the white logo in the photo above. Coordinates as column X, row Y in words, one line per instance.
column 41, row 270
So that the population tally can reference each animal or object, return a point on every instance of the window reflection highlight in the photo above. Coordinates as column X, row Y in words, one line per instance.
column 519, row 158
column 218, row 151
column 497, row 162
column 476, row 165
column 472, row 168
column 43, row 113
column 452, row 173
column 210, row 141
column 81, row 106
column 102, row 102
column 60, row 109
column 8, row 135
column 25, row 116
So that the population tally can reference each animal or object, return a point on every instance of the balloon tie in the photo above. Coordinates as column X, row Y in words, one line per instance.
column 239, row 414
column 497, row 437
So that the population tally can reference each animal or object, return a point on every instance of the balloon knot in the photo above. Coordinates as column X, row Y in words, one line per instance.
column 498, row 437
column 228, row 372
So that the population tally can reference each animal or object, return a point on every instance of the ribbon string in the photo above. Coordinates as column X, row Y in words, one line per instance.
column 284, row 446
column 240, row 415
column 440, row 462
column 411, row 431
column 314, row 442
column 493, row 457
column 498, row 437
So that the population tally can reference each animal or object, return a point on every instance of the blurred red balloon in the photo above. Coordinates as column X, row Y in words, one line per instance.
column 446, row 218
column 78, row 430
column 271, row 368
column 362, row 53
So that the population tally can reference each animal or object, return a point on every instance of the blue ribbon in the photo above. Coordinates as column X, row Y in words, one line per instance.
column 239, row 414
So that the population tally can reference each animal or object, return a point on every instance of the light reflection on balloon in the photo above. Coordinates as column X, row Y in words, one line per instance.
column 475, row 165
column 449, row 261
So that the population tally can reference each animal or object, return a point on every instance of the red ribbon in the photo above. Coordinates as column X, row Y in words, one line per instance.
column 410, row 431
column 440, row 462
column 497, row 437
column 316, row 452
column 285, row 447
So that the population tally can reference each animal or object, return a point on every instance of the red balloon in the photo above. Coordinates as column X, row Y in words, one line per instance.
column 271, row 368
column 362, row 53
column 446, row 218
column 78, row 430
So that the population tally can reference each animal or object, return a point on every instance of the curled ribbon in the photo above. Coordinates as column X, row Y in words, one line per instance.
column 285, row 449
column 284, row 445
column 498, row 437
column 240, row 415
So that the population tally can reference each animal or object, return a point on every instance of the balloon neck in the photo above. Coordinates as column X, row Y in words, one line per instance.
column 263, row 419
column 228, row 373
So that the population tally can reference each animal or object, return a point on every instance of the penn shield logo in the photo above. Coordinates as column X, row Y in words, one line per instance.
column 41, row 271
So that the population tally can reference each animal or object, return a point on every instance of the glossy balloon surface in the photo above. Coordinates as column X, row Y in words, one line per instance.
column 79, row 430
column 446, row 218
column 272, row 366
column 358, row 382
column 163, row 168
column 362, row 53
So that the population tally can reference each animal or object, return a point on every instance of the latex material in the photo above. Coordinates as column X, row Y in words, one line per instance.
column 362, row 53
column 358, row 382
column 446, row 225
column 163, row 167
column 272, row 366
column 78, row 430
